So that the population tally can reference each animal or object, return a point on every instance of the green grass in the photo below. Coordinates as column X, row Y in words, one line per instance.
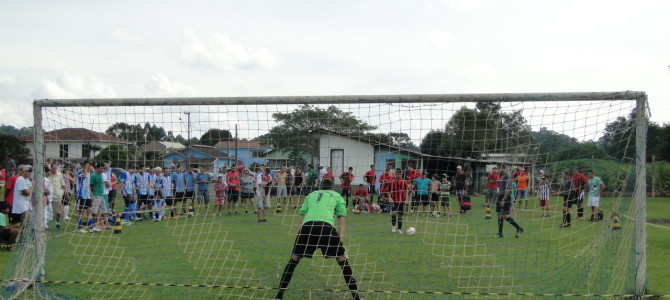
column 447, row 254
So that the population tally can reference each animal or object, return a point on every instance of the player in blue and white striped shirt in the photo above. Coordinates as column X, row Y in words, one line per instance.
column 84, row 197
column 543, row 193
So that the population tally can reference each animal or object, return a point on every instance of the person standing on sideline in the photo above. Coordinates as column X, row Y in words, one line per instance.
column 129, row 195
column 445, row 192
column 312, row 180
column 422, row 196
column 461, row 186
column 317, row 230
column 596, row 185
column 247, row 190
column 566, row 184
column 232, row 181
column 282, row 192
column 370, row 179
column 398, row 189
column 58, row 185
column 346, row 178
column 522, row 188
column 492, row 187
column 579, row 182
column 84, row 201
column 299, row 185
column 435, row 195
column 203, row 179
column 10, row 165
column 23, row 188
column 263, row 189
column 543, row 193
column 504, row 203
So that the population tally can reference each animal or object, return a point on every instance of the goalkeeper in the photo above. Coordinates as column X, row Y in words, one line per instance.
column 317, row 231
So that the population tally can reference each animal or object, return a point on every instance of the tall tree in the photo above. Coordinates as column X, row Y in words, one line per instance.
column 13, row 131
column 293, row 134
column 213, row 136
column 12, row 145
column 125, row 131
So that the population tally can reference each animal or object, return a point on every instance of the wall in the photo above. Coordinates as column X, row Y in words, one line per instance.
column 357, row 154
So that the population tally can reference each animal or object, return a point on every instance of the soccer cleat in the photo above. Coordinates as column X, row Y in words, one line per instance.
column 519, row 232
column 498, row 235
column 393, row 229
column 58, row 226
column 400, row 231
column 94, row 229
column 82, row 230
column 564, row 226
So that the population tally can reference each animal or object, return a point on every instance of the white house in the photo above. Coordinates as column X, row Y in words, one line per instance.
column 73, row 143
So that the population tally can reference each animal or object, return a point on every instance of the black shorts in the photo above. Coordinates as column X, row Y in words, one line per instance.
column 5, row 235
column 297, row 191
column 346, row 193
column 397, row 207
column 128, row 199
column 570, row 200
column 169, row 201
column 422, row 199
column 233, row 195
column 189, row 195
column 575, row 198
column 179, row 196
column 307, row 190
column 111, row 196
column 503, row 206
column 318, row 234
column 142, row 200
column 83, row 204
column 247, row 195
column 444, row 201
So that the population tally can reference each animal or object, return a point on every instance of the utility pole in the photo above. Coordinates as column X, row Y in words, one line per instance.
column 188, row 142
column 237, row 148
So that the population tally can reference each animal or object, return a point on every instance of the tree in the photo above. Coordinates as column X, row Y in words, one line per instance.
column 213, row 136
column 620, row 137
column 118, row 154
column 402, row 140
column 154, row 133
column 125, row 131
column 552, row 142
column 17, row 148
column 13, row 131
column 294, row 132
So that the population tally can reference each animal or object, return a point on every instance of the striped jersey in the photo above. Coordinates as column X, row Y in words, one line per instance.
column 543, row 191
column 398, row 189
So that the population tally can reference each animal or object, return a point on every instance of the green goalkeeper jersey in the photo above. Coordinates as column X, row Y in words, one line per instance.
column 323, row 206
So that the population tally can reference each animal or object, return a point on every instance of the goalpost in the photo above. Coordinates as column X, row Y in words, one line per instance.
column 204, row 255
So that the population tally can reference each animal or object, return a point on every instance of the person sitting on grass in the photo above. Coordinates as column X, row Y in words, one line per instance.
column 8, row 233
column 361, row 196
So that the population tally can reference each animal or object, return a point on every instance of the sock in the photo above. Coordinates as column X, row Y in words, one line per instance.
column 348, row 278
column 500, row 225
column 66, row 211
column 568, row 218
column 399, row 221
column 511, row 221
column 57, row 218
column 90, row 223
column 580, row 212
column 565, row 218
column 80, row 223
column 286, row 278
column 393, row 218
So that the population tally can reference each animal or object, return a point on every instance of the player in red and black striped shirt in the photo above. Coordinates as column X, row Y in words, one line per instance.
column 398, row 189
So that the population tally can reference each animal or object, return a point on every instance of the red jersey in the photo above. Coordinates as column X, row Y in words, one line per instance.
column 412, row 174
column 385, row 180
column 233, row 179
column 328, row 176
column 370, row 177
column 346, row 179
column 398, row 189
column 578, row 182
column 9, row 190
column 361, row 193
column 493, row 181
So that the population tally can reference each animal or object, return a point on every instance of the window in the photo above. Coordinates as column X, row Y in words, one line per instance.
column 256, row 153
column 86, row 150
column 63, row 150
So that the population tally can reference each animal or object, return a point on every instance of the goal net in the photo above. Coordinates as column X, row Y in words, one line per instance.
column 165, row 236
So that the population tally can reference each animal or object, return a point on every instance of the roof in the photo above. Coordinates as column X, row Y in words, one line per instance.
column 240, row 144
column 162, row 146
column 208, row 150
column 75, row 134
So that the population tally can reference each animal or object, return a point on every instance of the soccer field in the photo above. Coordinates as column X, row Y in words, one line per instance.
column 456, row 254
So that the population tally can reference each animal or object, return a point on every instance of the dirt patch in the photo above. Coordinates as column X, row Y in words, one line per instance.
column 659, row 221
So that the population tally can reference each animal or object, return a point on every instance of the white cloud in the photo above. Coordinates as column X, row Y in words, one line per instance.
column 74, row 85
column 161, row 85
column 221, row 53
column 7, row 80
column 469, row 4
column 123, row 36
column 441, row 40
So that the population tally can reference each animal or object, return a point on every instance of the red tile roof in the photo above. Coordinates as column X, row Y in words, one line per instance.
column 240, row 144
column 75, row 134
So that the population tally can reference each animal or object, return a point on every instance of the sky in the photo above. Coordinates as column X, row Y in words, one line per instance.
column 110, row 49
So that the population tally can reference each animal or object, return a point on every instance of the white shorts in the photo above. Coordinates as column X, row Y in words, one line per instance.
column 98, row 205
column 262, row 201
column 594, row 201
column 281, row 191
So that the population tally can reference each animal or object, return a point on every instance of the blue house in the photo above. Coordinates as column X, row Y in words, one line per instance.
column 247, row 152
column 198, row 156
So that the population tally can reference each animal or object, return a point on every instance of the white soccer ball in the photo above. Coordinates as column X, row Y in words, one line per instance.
column 411, row 231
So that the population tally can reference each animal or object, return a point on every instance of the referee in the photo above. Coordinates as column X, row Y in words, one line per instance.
column 317, row 231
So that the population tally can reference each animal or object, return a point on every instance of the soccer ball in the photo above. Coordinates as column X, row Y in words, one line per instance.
column 411, row 231
column 356, row 211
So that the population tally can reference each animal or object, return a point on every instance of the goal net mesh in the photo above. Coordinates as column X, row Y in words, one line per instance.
column 201, row 254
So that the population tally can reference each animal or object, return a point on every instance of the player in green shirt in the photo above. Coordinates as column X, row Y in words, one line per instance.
column 317, row 230
column 312, row 176
column 8, row 233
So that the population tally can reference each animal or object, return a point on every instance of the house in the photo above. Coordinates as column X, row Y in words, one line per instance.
column 162, row 147
column 198, row 156
column 75, row 144
column 276, row 158
column 340, row 152
column 247, row 152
